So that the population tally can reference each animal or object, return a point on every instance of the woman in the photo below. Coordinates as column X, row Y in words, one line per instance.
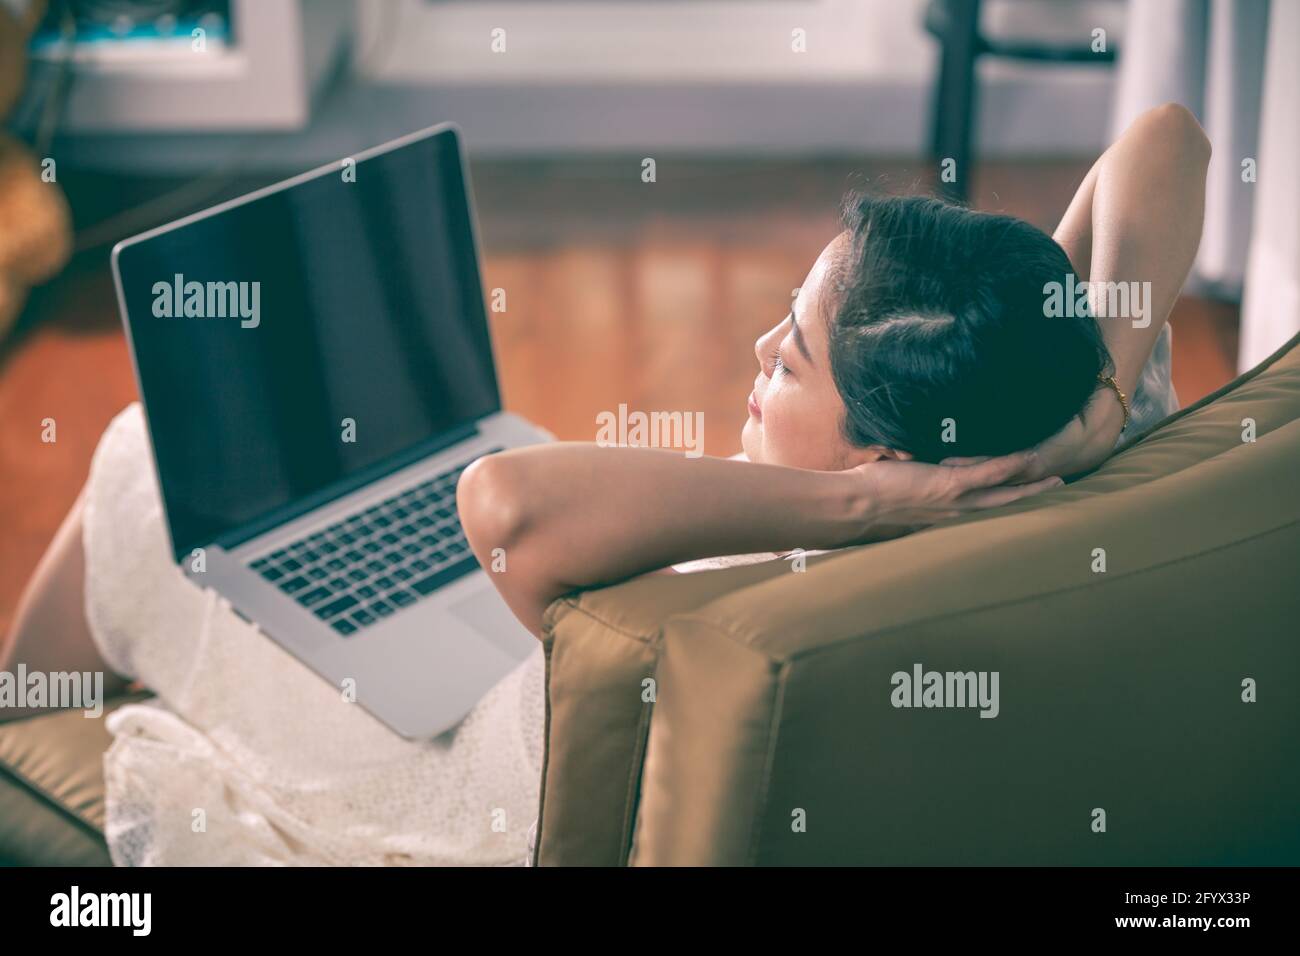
column 919, row 324
column 920, row 344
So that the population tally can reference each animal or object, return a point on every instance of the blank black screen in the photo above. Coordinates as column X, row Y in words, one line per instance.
column 371, row 309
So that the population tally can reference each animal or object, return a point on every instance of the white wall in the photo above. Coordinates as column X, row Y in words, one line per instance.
column 698, row 74
column 650, row 41
column 669, row 76
column 676, row 41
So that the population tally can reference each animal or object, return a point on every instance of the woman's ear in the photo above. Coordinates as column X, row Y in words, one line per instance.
column 862, row 456
column 892, row 454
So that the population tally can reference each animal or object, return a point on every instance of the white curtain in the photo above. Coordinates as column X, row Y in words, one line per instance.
column 1270, row 311
column 1234, row 64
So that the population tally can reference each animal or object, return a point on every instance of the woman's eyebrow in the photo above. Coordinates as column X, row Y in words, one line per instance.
column 798, row 337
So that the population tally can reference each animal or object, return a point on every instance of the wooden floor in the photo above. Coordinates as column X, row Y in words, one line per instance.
column 617, row 291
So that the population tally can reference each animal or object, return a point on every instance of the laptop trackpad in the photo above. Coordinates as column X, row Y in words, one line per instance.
column 488, row 614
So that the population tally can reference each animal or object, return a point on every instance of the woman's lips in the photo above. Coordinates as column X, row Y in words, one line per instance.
column 753, row 407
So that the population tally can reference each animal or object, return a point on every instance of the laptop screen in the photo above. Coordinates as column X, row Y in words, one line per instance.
column 295, row 345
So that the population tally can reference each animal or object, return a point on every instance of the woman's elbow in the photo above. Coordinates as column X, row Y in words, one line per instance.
column 495, row 514
column 1178, row 127
column 491, row 506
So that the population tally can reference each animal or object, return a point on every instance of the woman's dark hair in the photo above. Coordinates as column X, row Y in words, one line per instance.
column 939, row 313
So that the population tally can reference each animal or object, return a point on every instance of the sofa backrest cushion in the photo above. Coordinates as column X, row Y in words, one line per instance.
column 754, row 666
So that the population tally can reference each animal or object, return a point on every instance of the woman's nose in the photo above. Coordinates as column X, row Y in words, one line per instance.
column 765, row 351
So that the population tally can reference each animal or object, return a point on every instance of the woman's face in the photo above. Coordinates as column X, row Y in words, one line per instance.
column 795, row 410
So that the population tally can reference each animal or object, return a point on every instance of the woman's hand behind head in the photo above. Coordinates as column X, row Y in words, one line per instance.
column 1081, row 445
column 905, row 496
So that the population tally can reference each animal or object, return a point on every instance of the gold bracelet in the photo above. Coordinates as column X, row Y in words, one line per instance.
column 1109, row 382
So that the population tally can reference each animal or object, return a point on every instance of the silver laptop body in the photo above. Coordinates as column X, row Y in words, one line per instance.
column 315, row 367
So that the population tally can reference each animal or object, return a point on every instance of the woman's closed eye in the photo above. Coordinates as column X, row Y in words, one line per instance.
column 778, row 365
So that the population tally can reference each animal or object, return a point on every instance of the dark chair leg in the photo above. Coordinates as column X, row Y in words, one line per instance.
column 957, row 23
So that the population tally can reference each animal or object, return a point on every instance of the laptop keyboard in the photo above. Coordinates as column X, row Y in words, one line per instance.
column 372, row 564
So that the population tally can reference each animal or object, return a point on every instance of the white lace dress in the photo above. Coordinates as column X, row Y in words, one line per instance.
column 245, row 756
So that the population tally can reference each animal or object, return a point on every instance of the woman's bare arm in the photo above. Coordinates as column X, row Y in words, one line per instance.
column 1136, row 217
column 49, row 631
column 574, row 515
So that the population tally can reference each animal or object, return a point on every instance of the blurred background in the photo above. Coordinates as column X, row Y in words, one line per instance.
column 119, row 115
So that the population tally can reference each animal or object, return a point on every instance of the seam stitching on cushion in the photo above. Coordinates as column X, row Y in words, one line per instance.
column 1054, row 593
column 546, row 753
column 642, row 730
column 1166, row 426
column 769, row 760
column 999, row 514
column 1204, row 400
column 635, row 768
column 1197, row 405
column 549, row 615
column 726, row 629
column 639, row 638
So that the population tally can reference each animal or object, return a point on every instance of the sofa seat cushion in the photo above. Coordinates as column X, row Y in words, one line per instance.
column 52, row 788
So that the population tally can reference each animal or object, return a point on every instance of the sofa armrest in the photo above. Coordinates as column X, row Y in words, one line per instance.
column 601, row 647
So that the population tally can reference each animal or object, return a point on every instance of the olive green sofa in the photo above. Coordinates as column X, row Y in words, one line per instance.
column 1149, row 713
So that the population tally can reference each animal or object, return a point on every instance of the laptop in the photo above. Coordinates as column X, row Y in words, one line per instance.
column 316, row 371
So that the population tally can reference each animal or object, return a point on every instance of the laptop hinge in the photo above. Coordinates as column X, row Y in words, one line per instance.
column 286, row 513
